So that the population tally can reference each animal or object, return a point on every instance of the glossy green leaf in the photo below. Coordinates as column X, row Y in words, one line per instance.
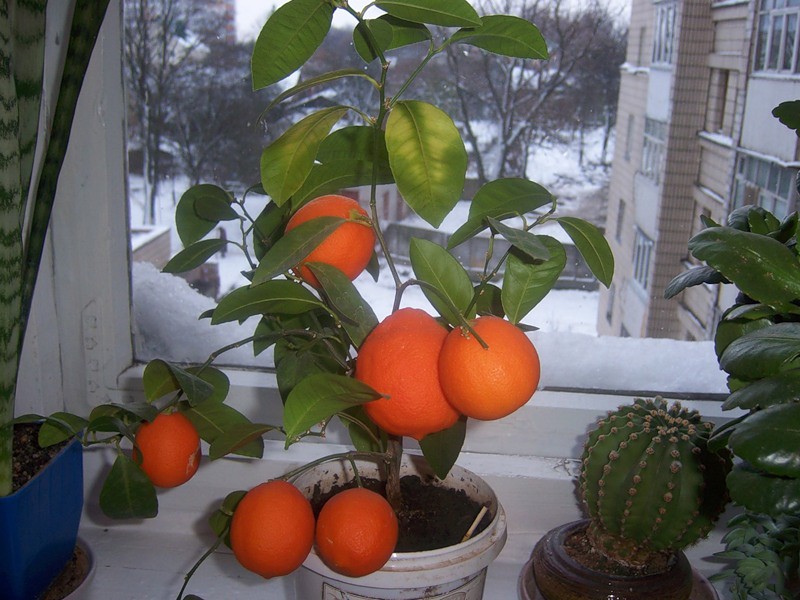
column 287, row 161
column 199, row 211
column 759, row 266
column 127, row 493
column 361, row 440
column 319, row 397
column 194, row 255
column 354, row 141
column 524, row 241
column 732, row 329
column 278, row 296
column 272, row 327
column 441, row 449
column 763, row 223
column 427, row 157
column 320, row 80
column 749, row 312
column 212, row 419
column 759, row 492
column 506, row 35
column 435, row 266
column 60, row 426
column 288, row 39
column 294, row 246
column 447, row 13
column 405, row 33
column 782, row 388
column 356, row 315
column 220, row 519
column 490, row 301
column 592, row 245
column 333, row 176
column 243, row 439
column 764, row 352
column 130, row 412
column 692, row 277
column 769, row 440
column 370, row 34
column 161, row 377
column 294, row 365
column 500, row 199
column 526, row 283
column 268, row 227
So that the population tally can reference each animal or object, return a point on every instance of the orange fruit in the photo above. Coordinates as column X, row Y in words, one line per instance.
column 356, row 532
column 272, row 529
column 168, row 449
column 400, row 359
column 348, row 248
column 488, row 383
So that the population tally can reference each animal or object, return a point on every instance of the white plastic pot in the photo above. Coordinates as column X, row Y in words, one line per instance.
column 457, row 571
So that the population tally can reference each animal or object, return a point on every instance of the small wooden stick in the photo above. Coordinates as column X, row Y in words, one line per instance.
column 474, row 525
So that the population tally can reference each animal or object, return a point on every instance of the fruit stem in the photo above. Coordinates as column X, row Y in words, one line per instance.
column 202, row 559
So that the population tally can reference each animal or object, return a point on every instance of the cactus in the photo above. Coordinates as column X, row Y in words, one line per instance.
column 649, row 481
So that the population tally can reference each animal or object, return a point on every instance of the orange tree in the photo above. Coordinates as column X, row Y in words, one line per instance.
column 315, row 331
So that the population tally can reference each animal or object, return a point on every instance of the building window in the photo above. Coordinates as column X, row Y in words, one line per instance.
column 664, row 35
column 610, row 304
column 620, row 221
column 766, row 184
column 642, row 249
column 776, row 36
column 717, row 99
column 655, row 133
column 629, row 137
column 640, row 46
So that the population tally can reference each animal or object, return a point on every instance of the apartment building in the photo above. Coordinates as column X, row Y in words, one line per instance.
column 695, row 136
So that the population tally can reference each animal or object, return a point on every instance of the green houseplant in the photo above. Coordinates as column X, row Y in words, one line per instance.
column 33, row 548
column 651, row 487
column 757, row 342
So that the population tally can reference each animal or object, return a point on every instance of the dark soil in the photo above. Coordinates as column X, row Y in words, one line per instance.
column 431, row 516
column 70, row 577
column 28, row 458
column 580, row 550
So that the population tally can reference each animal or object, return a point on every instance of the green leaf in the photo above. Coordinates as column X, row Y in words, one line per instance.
column 288, row 39
column 763, row 353
column 319, row 80
column 769, row 438
column 200, row 210
column 127, row 493
column 287, row 161
column 592, row 245
column 355, row 141
column 524, row 241
column 500, row 199
column 526, row 283
column 692, row 277
column 60, row 426
column 294, row 365
column 357, row 316
column 213, row 419
column 362, row 441
column 780, row 389
column 759, row 492
column 490, row 300
column 276, row 296
column 447, row 13
column 369, row 32
column 441, row 449
column 194, row 255
column 759, row 266
column 295, row 245
column 161, row 377
column 729, row 330
column 405, row 33
column 506, row 35
column 268, row 227
column 788, row 113
column 319, row 397
column 333, row 176
column 427, row 157
column 242, row 438
column 435, row 266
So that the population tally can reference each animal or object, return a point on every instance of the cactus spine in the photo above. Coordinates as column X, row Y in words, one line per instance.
column 649, row 481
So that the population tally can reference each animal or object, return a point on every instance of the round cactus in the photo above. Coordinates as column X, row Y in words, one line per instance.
column 649, row 481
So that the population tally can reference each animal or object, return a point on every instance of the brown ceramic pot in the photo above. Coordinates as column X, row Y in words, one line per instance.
column 552, row 574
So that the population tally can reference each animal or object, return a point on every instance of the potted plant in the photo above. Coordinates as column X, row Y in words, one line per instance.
column 38, row 520
column 410, row 375
column 756, row 342
column 651, row 487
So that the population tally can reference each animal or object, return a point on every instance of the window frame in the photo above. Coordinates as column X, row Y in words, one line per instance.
column 769, row 55
column 664, row 34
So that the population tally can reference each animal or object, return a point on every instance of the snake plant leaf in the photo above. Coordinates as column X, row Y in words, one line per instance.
column 287, row 161
column 244, row 439
column 780, row 389
column 758, row 265
column 762, row 493
column 506, row 35
column 278, row 296
column 436, row 267
column 427, row 157
column 524, row 241
column 447, row 13
column 357, row 316
column 288, row 39
column 769, row 438
column 127, row 492
column 763, row 353
column 527, row 282
column 213, row 419
column 319, row 397
column 692, row 277
column 500, row 199
column 592, row 245
column 441, row 449
column 200, row 210
column 194, row 255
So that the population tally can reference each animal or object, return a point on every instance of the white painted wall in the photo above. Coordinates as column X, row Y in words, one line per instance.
column 761, row 131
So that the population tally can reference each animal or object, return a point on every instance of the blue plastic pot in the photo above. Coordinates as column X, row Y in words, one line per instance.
column 39, row 526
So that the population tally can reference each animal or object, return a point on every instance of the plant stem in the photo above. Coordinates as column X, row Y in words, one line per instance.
column 393, row 457
column 201, row 560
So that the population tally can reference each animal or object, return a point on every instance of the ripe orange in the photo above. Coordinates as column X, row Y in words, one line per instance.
column 168, row 448
column 488, row 383
column 272, row 529
column 350, row 246
column 356, row 532
column 400, row 359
